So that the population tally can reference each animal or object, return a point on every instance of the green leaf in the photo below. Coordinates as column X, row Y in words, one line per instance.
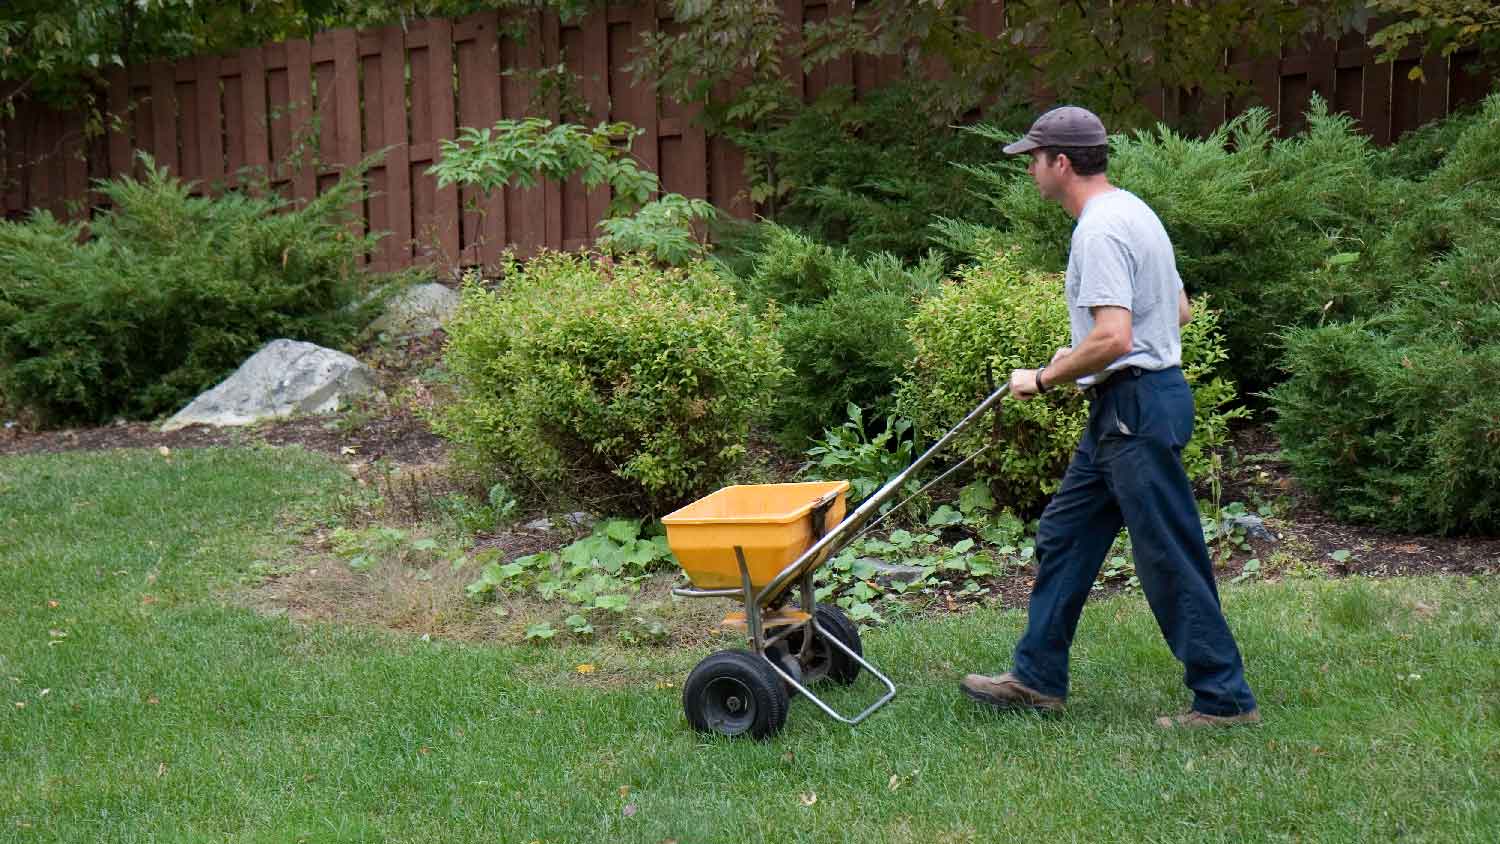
column 981, row 565
column 944, row 516
column 623, row 531
column 1340, row 555
column 425, row 544
column 955, row 564
column 613, row 603
column 976, row 498
column 540, row 632
column 963, row 546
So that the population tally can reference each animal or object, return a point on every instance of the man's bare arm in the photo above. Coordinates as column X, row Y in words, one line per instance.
column 1184, row 310
column 1109, row 340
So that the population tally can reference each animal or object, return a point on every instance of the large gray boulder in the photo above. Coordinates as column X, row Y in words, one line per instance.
column 283, row 378
column 416, row 311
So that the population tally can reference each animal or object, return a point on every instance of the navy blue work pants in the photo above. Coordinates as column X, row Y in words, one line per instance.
column 1128, row 470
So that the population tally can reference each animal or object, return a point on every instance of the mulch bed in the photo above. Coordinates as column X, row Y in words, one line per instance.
column 399, row 438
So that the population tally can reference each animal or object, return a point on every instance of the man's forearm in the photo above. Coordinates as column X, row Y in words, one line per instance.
column 1093, row 355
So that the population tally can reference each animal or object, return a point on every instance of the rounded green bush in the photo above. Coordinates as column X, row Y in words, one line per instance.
column 842, row 326
column 997, row 317
column 575, row 371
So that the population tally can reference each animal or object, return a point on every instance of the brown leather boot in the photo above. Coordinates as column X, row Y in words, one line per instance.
column 1006, row 692
column 1193, row 720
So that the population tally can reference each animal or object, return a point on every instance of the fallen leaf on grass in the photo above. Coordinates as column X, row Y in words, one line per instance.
column 809, row 798
column 164, row 451
column 153, row 700
column 52, row 605
column 585, row 668
column 161, row 770
column 624, row 790
column 629, row 810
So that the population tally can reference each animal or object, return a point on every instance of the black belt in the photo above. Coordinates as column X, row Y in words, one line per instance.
column 1113, row 378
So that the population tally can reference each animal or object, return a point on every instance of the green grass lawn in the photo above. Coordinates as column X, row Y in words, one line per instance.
column 170, row 713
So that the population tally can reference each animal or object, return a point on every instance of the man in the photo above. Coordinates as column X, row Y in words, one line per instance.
column 1126, row 305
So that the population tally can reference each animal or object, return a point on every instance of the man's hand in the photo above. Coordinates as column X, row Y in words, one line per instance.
column 1023, row 384
column 1060, row 352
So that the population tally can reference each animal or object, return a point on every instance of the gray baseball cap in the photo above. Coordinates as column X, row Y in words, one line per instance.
column 1066, row 126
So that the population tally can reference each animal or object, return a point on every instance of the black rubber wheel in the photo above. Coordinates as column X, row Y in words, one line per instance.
column 735, row 693
column 826, row 660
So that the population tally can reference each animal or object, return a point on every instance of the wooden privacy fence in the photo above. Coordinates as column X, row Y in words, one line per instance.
column 301, row 111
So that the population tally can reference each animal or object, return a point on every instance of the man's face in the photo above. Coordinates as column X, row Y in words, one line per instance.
column 1046, row 171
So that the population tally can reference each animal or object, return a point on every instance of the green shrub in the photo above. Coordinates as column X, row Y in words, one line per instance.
column 871, row 174
column 843, row 326
column 167, row 295
column 1399, row 434
column 1251, row 217
column 998, row 317
column 1393, row 418
column 585, row 373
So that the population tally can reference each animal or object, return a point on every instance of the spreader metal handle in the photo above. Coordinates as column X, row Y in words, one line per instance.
column 839, row 535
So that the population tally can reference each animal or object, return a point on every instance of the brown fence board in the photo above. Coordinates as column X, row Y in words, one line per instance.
column 300, row 94
column 74, row 166
column 347, row 149
column 210, row 128
column 12, row 171
column 478, row 57
column 325, row 109
column 636, row 103
column 525, row 209
column 444, row 125
column 279, row 125
column 553, row 212
column 234, row 122
column 1433, row 100
column 373, row 128
column 164, row 116
column 393, row 105
column 187, row 127
column 253, row 115
column 121, row 144
column 594, row 65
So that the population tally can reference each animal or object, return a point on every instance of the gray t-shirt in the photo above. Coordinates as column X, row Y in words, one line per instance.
column 1121, row 256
